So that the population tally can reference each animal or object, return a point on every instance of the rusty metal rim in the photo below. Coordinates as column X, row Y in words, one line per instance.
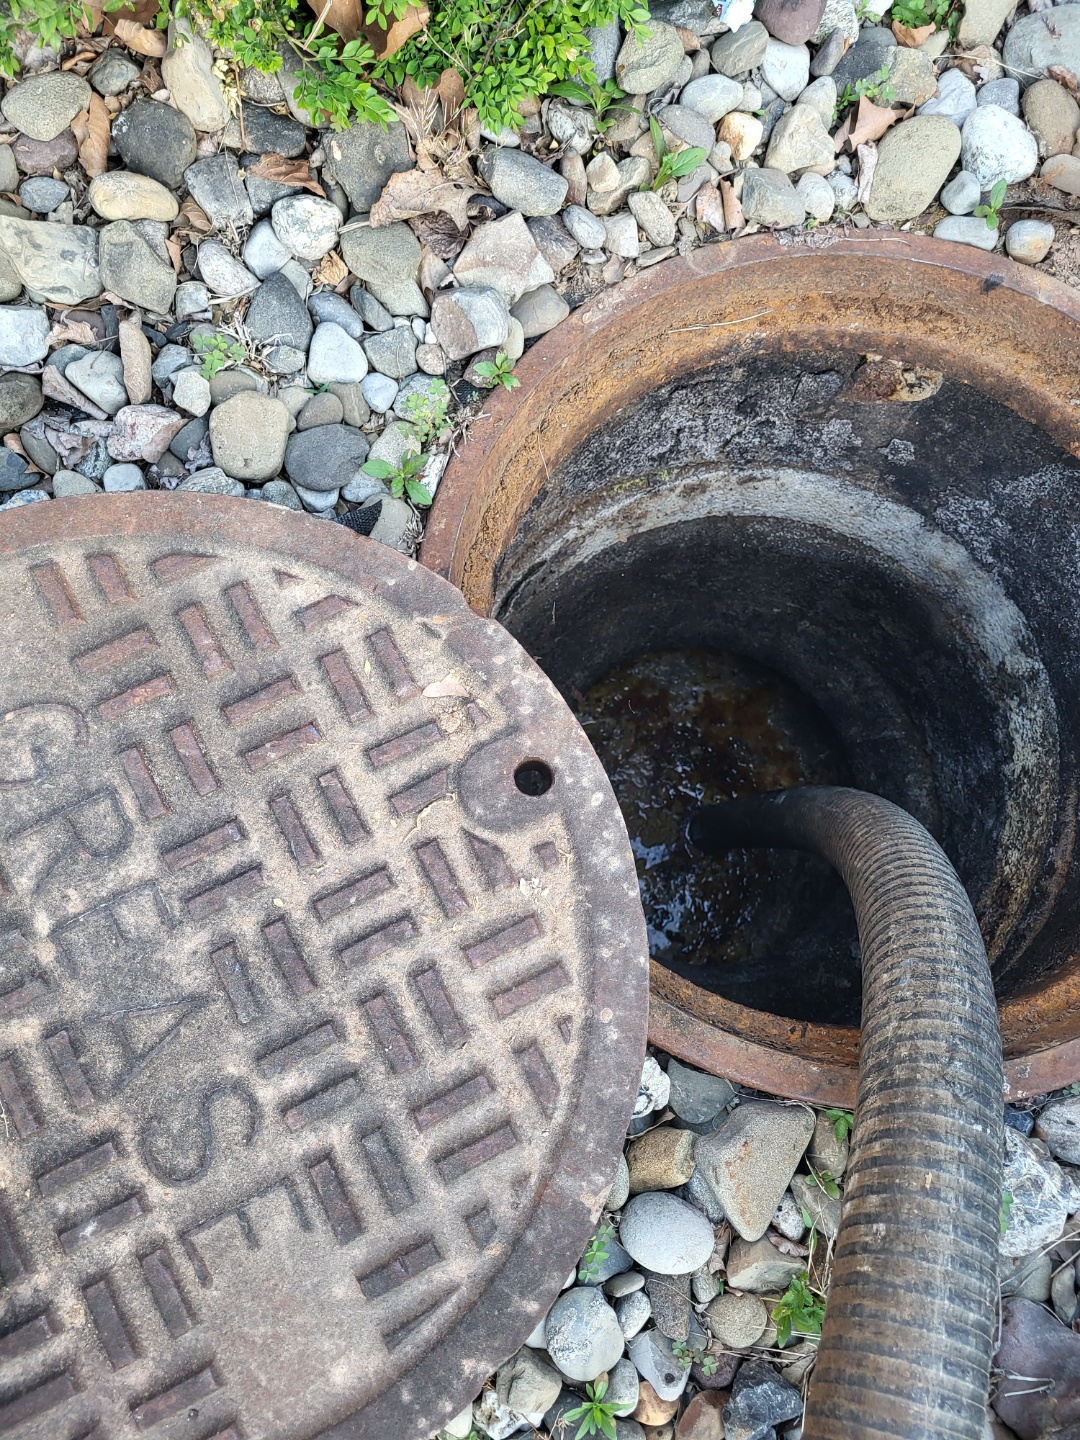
column 909, row 297
column 569, row 1198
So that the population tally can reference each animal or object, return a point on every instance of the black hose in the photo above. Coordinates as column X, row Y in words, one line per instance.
column 910, row 1325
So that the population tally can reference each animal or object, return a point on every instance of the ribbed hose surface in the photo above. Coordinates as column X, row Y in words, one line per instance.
column 909, row 1330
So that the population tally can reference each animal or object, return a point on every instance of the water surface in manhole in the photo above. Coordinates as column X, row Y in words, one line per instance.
column 682, row 728
column 318, row 1032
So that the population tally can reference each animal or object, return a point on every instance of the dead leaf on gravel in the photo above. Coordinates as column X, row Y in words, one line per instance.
column 439, row 233
column 286, row 172
column 869, row 123
column 176, row 253
column 70, row 332
column 867, row 165
column 451, row 89
column 1064, row 77
column 55, row 387
column 331, row 270
column 192, row 220
column 911, row 36
column 733, row 211
column 13, row 443
column 94, row 150
column 710, row 208
column 784, row 1245
column 433, row 273
column 142, row 40
column 80, row 127
column 419, row 192
column 150, row 78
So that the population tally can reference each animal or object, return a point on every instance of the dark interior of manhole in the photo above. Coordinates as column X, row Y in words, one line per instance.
column 764, row 574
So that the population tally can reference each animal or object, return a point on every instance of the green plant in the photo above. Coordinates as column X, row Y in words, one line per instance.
column 597, row 1416
column 499, row 371
column 403, row 478
column 843, row 1123
column 596, row 1252
column 824, row 1181
column 602, row 98
column 875, row 87
column 989, row 213
column 1005, row 1212
column 916, row 13
column 686, row 1356
column 49, row 21
column 426, row 412
column 799, row 1310
column 1073, row 1089
column 811, row 1239
column 329, row 73
column 672, row 166
column 508, row 51
column 216, row 351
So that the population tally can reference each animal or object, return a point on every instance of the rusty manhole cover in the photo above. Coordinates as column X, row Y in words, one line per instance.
column 320, row 1029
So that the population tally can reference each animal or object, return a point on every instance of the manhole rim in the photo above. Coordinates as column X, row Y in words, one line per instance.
column 535, row 1270
column 714, row 297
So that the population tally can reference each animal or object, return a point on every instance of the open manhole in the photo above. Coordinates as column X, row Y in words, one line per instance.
column 322, row 981
column 779, row 514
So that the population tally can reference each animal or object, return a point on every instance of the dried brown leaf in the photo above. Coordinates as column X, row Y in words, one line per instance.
column 150, row 78
column 452, row 94
column 193, row 219
column 176, row 253
column 71, row 332
column 331, row 270
column 786, row 1246
column 870, row 123
column 55, row 387
column 439, row 234
column 139, row 38
column 912, row 36
column 94, row 150
column 143, row 12
column 287, row 172
column 1064, row 77
column 419, row 192
column 733, row 211
column 80, row 126
column 13, row 443
column 710, row 208
column 867, row 165
column 433, row 273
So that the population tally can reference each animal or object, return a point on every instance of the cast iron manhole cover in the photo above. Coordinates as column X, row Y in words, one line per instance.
column 322, row 980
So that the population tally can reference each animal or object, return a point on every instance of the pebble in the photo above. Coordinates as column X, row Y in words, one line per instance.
column 280, row 492
column 362, row 158
column 750, row 1160
column 582, row 1334
column 654, row 217
column 20, row 400
column 14, row 474
column 334, row 357
column 1063, row 172
column 737, row 1320
column 113, row 72
column 654, row 1412
column 325, row 305
column 623, row 1387
column 788, row 1218
column 553, row 240
column 1005, row 93
column 649, row 59
column 69, row 483
column 967, row 230
column 58, row 263
column 661, row 1159
column 793, row 21
column 633, row 1311
column 186, row 441
column 800, row 140
column 955, row 98
column 264, row 132
column 823, row 1209
column 670, row 1298
column 651, row 1352
column 521, row 182
column 961, row 194
column 740, row 51
column 26, row 497
column 44, row 157
column 1059, row 1123
column 654, row 1089
column 155, row 140
column 126, row 195
column 586, row 228
column 324, row 409
column 118, row 479
column 325, row 458
column 468, row 320
column 634, row 172
column 1053, row 116
column 23, row 336
column 217, row 186
column 502, row 255
column 264, row 254
column 914, row 160
column 191, row 392
column 187, row 69
column 317, row 502
column 1040, row 1197
column 666, row 1234
column 212, row 481
column 277, row 314
column 1034, row 1343
column 40, row 194
column 769, row 198
column 526, row 1385
column 680, row 123
column 379, row 391
column 760, row 1401
column 393, row 352
column 621, row 236
column 620, row 1186
column 997, row 146
column 100, row 377
column 248, row 434
column 44, row 105
column 143, row 432
column 170, row 358
column 825, row 1151
column 192, row 298
column 817, row 196
column 306, row 225
column 786, row 69
column 387, row 261
column 712, row 96
column 131, row 268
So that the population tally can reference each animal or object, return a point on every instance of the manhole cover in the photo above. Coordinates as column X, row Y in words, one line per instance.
column 322, row 980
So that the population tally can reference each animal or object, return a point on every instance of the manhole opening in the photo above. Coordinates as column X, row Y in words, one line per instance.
column 760, row 576
column 534, row 777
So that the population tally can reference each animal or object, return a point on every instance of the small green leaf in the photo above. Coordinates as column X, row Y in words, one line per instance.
column 417, row 493
column 657, row 137
column 378, row 469
column 687, row 161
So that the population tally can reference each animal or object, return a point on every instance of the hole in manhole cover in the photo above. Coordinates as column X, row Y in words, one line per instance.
column 319, row 1024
